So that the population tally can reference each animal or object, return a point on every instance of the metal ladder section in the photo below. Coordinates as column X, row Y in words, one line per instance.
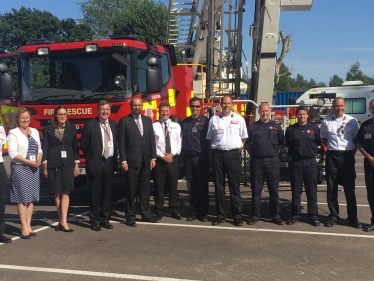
column 210, row 34
column 182, row 23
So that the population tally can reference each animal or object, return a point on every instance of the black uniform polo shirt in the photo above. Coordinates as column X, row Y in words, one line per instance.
column 365, row 136
column 194, row 135
column 264, row 139
column 303, row 141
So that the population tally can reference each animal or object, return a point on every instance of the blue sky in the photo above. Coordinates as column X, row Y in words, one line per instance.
column 325, row 40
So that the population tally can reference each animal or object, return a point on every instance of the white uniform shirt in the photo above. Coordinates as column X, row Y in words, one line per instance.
column 339, row 132
column 2, row 142
column 227, row 132
column 174, row 131
column 103, row 131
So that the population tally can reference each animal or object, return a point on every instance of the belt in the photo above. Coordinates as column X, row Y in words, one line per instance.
column 339, row 152
column 224, row 151
column 102, row 158
column 302, row 158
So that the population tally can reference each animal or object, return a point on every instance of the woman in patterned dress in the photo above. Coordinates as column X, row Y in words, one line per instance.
column 60, row 159
column 26, row 154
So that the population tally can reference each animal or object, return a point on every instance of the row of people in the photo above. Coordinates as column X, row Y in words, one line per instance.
column 144, row 146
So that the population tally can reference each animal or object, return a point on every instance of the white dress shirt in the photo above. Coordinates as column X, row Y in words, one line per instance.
column 106, row 123
column 174, row 131
column 18, row 143
column 2, row 142
column 227, row 132
column 339, row 132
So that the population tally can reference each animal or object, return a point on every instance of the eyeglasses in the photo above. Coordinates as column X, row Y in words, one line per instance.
column 195, row 106
column 61, row 114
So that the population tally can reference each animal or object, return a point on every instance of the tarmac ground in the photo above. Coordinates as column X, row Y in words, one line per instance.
column 181, row 250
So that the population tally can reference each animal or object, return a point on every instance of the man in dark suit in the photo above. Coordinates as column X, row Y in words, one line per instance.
column 99, row 145
column 138, row 157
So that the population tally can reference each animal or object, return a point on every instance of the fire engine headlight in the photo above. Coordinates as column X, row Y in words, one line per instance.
column 91, row 48
column 43, row 51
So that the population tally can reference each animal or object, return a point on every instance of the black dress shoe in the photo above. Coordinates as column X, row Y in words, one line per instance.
column 219, row 221
column 96, row 227
column 203, row 218
column 330, row 223
column 67, row 229
column 238, row 222
column 192, row 217
column 159, row 217
column 5, row 240
column 252, row 221
column 24, row 236
column 315, row 222
column 151, row 219
column 131, row 223
column 107, row 225
column 292, row 221
column 369, row 228
column 277, row 221
column 355, row 224
column 176, row 216
column 33, row 234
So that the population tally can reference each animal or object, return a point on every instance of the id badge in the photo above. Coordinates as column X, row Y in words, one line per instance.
column 164, row 144
column 32, row 158
column 194, row 130
column 367, row 136
column 220, row 131
column 110, row 144
column 63, row 154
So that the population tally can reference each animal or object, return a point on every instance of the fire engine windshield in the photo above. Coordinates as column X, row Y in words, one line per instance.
column 75, row 77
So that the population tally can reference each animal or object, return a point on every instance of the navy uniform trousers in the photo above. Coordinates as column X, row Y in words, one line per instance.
column 261, row 169
column 369, row 181
column 340, row 169
column 304, row 171
column 227, row 162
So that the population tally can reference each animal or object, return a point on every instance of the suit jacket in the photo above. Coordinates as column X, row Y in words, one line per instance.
column 133, row 147
column 92, row 145
column 52, row 147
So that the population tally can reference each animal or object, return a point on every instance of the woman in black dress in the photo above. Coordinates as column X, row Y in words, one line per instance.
column 60, row 159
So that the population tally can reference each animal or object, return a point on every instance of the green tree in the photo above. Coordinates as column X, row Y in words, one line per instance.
column 355, row 74
column 284, row 83
column 145, row 18
column 335, row 81
column 25, row 24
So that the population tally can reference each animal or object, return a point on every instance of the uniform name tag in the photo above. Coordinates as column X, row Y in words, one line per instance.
column 110, row 144
column 32, row 158
column 220, row 131
column 63, row 154
column 367, row 136
column 194, row 130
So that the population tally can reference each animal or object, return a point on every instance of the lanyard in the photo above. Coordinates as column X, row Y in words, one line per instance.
column 106, row 129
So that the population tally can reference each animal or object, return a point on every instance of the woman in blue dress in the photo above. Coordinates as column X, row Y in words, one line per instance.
column 26, row 154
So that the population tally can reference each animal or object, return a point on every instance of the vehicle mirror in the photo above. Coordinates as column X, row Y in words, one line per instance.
column 5, row 81
column 154, row 80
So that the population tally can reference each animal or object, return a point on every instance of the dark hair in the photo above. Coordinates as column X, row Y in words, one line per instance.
column 103, row 102
column 195, row 99
column 54, row 121
column 164, row 104
column 20, row 111
column 301, row 107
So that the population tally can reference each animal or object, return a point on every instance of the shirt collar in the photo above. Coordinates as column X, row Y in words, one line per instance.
column 135, row 117
column 102, row 121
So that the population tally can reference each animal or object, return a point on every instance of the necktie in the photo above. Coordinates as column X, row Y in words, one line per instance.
column 139, row 125
column 106, row 140
column 167, row 138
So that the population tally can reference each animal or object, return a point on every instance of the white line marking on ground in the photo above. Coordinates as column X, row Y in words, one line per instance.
column 89, row 273
column 262, row 230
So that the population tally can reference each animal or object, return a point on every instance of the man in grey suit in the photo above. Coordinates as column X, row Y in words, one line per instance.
column 99, row 146
column 138, row 157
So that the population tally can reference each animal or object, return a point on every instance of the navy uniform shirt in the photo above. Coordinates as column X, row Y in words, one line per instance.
column 365, row 136
column 303, row 141
column 194, row 135
column 264, row 139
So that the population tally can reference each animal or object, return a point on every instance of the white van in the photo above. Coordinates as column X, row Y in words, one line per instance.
column 357, row 98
